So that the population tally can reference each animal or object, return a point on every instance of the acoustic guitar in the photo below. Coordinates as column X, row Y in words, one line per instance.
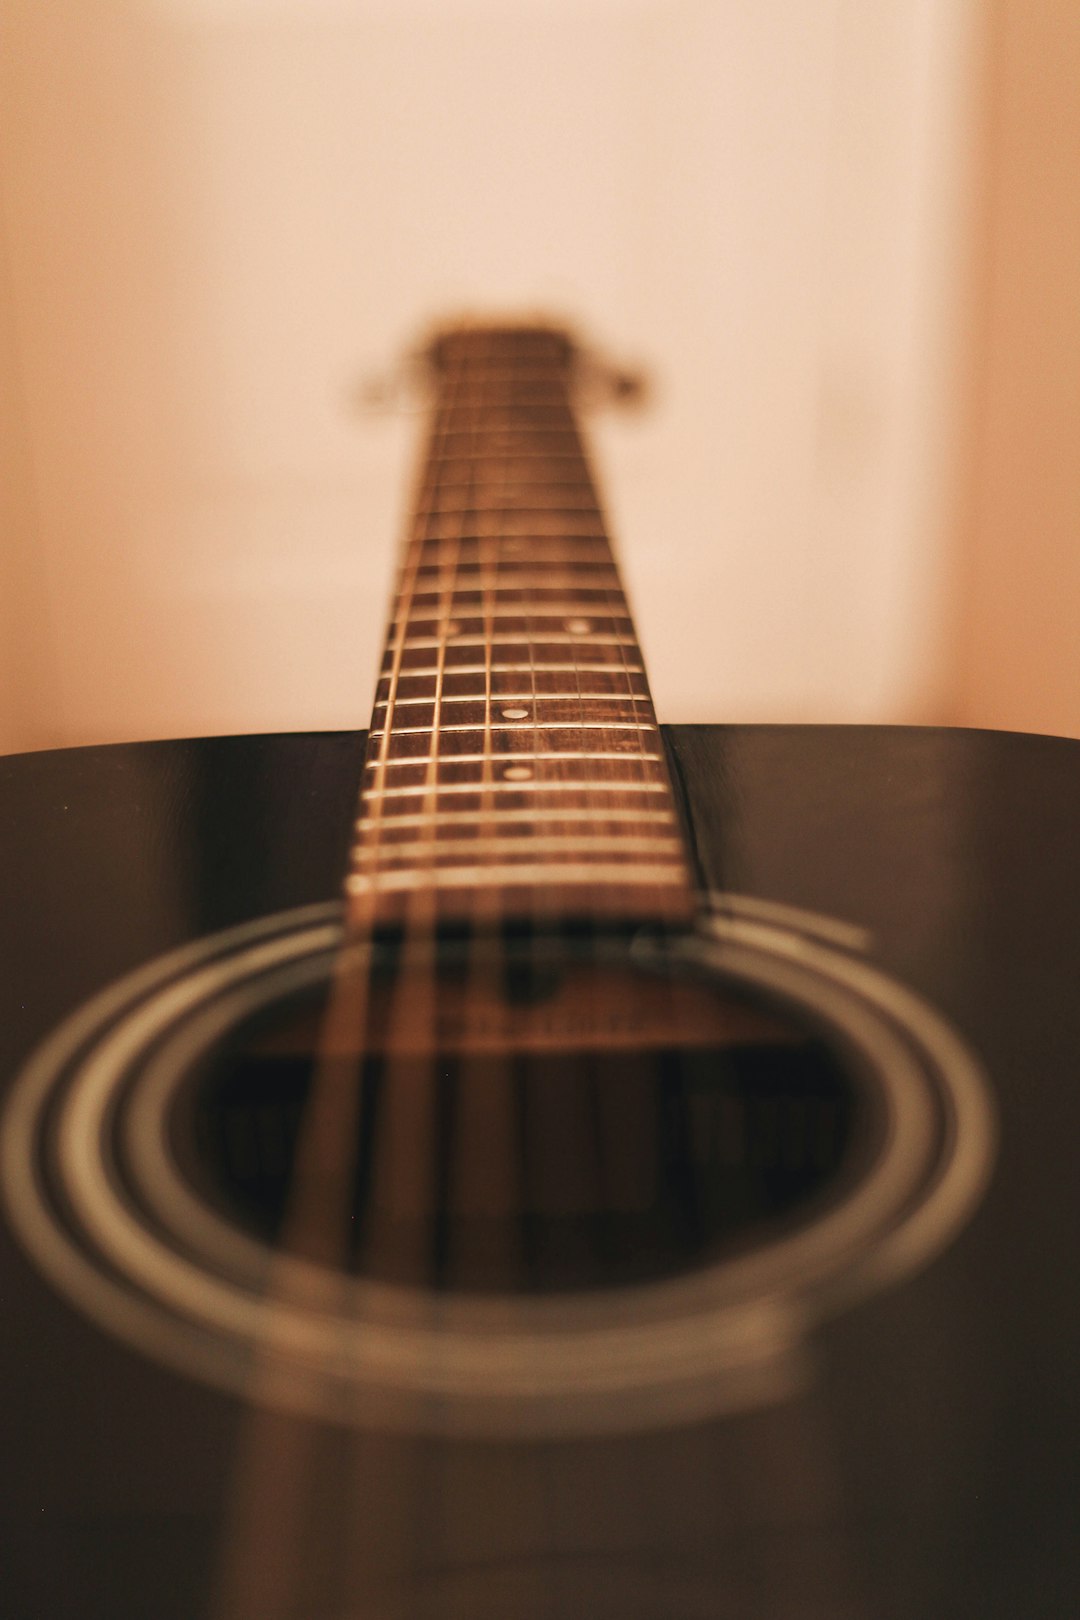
column 524, row 1162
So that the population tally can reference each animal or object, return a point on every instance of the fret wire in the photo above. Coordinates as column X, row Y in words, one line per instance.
column 582, row 550
column 518, row 536
column 567, row 507
column 583, row 621
column 522, row 486
column 562, row 559
column 553, row 639
column 522, row 697
column 498, row 425
column 521, row 507
column 519, row 582
column 535, row 626
column 523, row 725
column 630, row 785
column 576, row 541
column 580, row 626
column 509, row 600
column 535, row 813
column 468, row 848
column 555, row 496
column 480, row 397
column 519, row 401
column 513, row 599
column 518, row 756
column 517, row 440
column 505, row 419
column 482, row 388
column 515, row 626
column 658, row 874
column 520, row 596
column 547, row 458
column 521, row 430
column 491, row 388
column 544, row 407
column 510, row 669
column 546, row 525
column 520, row 413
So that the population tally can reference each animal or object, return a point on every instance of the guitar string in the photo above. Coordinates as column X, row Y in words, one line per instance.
column 420, row 929
column 505, row 1193
column 261, row 1572
column 412, row 1003
column 678, row 1021
column 480, row 1083
column 640, row 1499
column 421, row 919
column 486, row 908
column 449, row 1127
column 537, row 1144
column 409, row 1000
column 533, row 1143
column 512, row 1079
column 452, row 582
column 549, row 1491
column 635, row 1491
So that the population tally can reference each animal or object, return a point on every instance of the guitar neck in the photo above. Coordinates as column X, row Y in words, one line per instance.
column 514, row 764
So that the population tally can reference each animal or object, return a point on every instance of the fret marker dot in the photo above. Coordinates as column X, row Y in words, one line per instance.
column 517, row 773
column 578, row 627
column 515, row 714
column 453, row 628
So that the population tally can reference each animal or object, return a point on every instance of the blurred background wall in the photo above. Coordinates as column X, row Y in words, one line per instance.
column 1014, row 644
column 841, row 235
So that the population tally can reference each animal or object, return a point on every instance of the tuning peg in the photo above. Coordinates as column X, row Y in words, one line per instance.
column 402, row 387
column 599, row 381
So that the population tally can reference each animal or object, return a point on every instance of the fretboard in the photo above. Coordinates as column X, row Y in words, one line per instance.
column 514, row 764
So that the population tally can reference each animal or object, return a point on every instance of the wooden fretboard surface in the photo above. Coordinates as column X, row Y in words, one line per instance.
column 514, row 764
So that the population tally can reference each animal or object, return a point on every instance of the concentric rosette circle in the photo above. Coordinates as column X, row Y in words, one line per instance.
column 97, row 1199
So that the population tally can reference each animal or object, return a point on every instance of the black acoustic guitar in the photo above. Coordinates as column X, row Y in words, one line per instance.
column 524, row 1163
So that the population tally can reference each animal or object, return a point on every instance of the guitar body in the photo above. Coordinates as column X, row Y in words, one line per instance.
column 924, row 1460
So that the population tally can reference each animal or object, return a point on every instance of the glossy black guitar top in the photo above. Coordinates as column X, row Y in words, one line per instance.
column 910, row 1449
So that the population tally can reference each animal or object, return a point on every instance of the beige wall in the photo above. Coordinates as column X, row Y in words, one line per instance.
column 219, row 215
column 1016, row 661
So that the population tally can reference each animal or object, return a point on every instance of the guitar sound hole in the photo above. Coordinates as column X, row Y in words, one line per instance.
column 526, row 1129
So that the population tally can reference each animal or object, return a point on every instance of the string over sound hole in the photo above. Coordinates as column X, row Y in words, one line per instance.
column 522, row 1122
